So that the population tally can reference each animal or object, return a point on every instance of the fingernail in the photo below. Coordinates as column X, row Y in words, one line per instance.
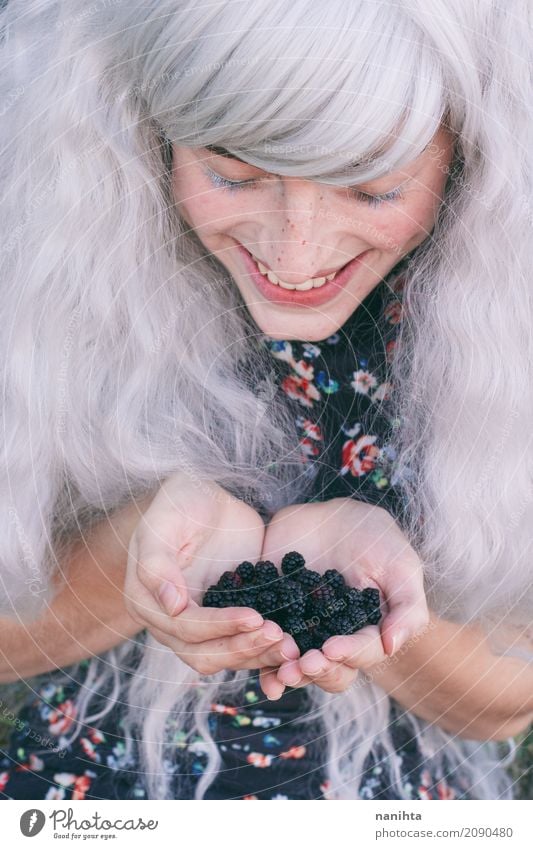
column 333, row 652
column 316, row 670
column 272, row 632
column 252, row 624
column 290, row 652
column 397, row 641
column 169, row 597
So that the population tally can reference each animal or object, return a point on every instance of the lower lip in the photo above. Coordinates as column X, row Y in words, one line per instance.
column 310, row 298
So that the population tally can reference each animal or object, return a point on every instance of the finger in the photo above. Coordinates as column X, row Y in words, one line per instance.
column 266, row 647
column 290, row 675
column 408, row 611
column 262, row 647
column 333, row 677
column 357, row 651
column 195, row 623
column 270, row 685
column 155, row 561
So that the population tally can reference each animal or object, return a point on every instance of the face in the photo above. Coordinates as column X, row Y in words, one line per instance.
column 304, row 254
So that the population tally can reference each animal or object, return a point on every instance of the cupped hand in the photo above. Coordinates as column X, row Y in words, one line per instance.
column 190, row 534
column 365, row 544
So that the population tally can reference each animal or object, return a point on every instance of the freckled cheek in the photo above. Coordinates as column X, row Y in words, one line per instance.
column 405, row 227
column 205, row 213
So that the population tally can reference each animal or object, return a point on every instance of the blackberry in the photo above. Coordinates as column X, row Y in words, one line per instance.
column 370, row 595
column 244, row 598
column 304, row 641
column 354, row 597
column 246, row 571
column 335, row 580
column 322, row 595
column 309, row 606
column 355, row 606
column 374, row 617
column 228, row 599
column 292, row 562
column 266, row 573
column 320, row 636
column 308, row 579
column 213, row 598
column 358, row 620
column 291, row 597
column 267, row 603
column 229, row 580
column 342, row 625
column 294, row 625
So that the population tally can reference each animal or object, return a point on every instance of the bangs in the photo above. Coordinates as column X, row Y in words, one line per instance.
column 335, row 92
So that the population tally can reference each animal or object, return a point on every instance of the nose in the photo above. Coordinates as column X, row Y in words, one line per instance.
column 300, row 247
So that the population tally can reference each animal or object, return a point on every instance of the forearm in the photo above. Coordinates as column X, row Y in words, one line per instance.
column 449, row 676
column 88, row 615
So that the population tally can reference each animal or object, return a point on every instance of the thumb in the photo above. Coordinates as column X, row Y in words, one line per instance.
column 171, row 597
column 407, row 613
column 157, row 569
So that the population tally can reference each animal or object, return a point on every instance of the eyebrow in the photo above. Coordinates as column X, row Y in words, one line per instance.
column 221, row 151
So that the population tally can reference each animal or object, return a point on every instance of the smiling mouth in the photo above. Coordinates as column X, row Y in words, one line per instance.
column 311, row 283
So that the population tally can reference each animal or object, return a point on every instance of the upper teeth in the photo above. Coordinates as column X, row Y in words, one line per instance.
column 312, row 283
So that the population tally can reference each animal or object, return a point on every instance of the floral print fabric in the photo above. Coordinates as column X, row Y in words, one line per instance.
column 339, row 389
column 267, row 753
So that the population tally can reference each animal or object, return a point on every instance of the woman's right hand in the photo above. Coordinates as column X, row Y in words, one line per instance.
column 190, row 534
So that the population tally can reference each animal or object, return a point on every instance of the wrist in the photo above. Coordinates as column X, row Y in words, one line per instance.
column 95, row 576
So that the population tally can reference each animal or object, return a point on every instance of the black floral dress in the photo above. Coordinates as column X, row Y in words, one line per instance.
column 339, row 389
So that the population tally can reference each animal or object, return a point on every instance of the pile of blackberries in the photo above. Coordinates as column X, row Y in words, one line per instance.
column 307, row 605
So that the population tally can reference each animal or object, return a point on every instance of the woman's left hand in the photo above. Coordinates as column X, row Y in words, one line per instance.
column 365, row 544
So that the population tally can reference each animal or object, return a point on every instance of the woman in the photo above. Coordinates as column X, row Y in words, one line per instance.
column 181, row 169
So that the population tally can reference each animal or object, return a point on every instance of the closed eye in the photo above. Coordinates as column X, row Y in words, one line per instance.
column 377, row 200
column 224, row 183
column 251, row 182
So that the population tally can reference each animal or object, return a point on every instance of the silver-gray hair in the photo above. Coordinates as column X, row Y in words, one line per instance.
column 123, row 338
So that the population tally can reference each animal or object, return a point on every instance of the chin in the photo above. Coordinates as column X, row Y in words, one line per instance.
column 294, row 328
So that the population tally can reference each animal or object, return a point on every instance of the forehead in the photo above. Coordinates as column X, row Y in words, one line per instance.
column 436, row 148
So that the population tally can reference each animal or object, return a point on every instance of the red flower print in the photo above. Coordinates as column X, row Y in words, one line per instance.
column 89, row 748
column 399, row 284
column 312, row 430
column 300, row 389
column 309, row 449
column 423, row 790
column 81, row 785
column 259, row 760
column 444, row 791
column 61, row 719
column 294, row 752
column 390, row 349
column 218, row 708
column 35, row 764
column 96, row 735
column 304, row 369
column 359, row 455
column 394, row 312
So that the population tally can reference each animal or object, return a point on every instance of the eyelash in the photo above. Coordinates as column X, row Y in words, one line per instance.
column 235, row 185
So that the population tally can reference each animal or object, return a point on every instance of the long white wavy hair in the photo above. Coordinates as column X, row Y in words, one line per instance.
column 117, row 368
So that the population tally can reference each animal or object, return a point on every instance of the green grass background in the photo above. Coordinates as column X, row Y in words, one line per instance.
column 11, row 696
